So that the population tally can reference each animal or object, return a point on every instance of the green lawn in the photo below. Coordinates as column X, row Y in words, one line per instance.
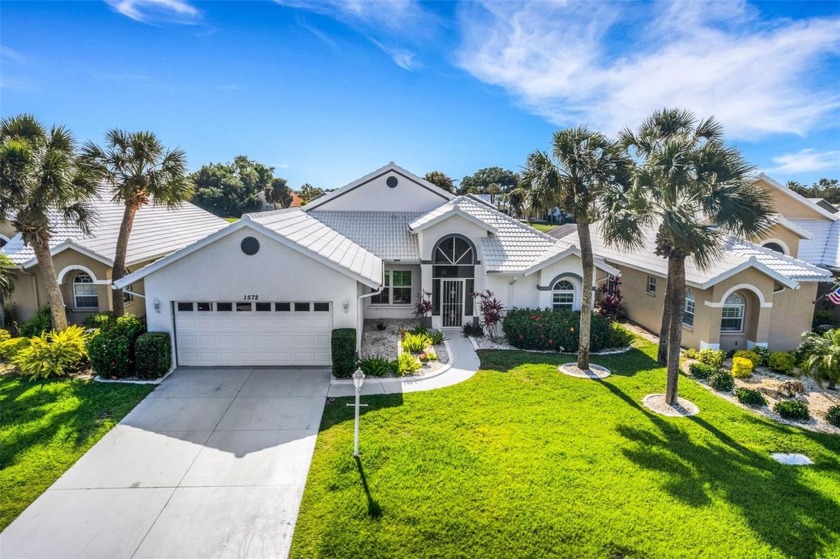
column 521, row 461
column 45, row 426
column 231, row 219
column 544, row 227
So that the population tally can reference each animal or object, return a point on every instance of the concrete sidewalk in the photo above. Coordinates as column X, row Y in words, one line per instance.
column 211, row 464
column 465, row 363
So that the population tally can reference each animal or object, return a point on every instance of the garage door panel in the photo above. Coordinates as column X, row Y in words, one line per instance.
column 235, row 338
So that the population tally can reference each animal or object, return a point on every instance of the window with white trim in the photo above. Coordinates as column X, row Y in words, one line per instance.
column 651, row 286
column 397, row 289
column 732, row 314
column 688, row 311
column 776, row 247
column 563, row 295
column 85, row 295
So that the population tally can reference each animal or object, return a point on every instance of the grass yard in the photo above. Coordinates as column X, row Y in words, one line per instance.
column 521, row 461
column 544, row 227
column 231, row 219
column 45, row 426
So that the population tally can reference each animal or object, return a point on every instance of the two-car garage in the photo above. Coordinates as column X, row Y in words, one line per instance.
column 246, row 333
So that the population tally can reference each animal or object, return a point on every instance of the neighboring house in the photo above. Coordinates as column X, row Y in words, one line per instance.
column 756, row 294
column 268, row 289
column 83, row 261
column 297, row 202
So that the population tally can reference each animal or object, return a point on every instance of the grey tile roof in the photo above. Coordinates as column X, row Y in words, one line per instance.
column 824, row 248
column 157, row 231
column 514, row 247
column 301, row 228
column 736, row 254
column 383, row 233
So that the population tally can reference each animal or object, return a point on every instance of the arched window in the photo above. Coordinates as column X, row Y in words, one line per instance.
column 688, row 312
column 84, row 292
column 732, row 317
column 454, row 251
column 563, row 295
column 775, row 247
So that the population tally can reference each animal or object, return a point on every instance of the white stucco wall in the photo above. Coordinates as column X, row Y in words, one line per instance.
column 222, row 272
column 377, row 196
column 428, row 238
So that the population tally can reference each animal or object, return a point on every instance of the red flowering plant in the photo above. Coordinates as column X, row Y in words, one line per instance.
column 424, row 304
column 612, row 300
column 491, row 311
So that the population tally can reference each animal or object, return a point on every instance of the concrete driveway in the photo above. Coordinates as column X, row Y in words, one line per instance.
column 211, row 464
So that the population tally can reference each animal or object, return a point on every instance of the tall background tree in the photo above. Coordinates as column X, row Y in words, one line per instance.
column 138, row 170
column 827, row 189
column 278, row 193
column 41, row 181
column 490, row 180
column 231, row 189
column 441, row 179
column 308, row 192
column 695, row 190
column 581, row 164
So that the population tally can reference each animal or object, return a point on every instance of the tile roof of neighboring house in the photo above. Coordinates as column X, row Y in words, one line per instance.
column 304, row 230
column 562, row 230
column 824, row 248
column 383, row 233
column 157, row 231
column 297, row 201
column 737, row 255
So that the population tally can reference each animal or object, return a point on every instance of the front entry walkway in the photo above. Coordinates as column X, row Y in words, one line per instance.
column 211, row 464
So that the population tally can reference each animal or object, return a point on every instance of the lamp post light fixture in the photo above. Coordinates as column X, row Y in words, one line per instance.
column 358, row 381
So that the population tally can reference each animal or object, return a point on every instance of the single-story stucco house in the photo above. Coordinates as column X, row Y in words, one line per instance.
column 83, row 261
column 269, row 289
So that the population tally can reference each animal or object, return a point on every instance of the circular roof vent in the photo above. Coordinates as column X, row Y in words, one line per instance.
column 250, row 246
column 392, row 182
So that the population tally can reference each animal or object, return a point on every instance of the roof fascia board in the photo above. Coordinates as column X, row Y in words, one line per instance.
column 391, row 167
column 68, row 244
column 794, row 228
column 751, row 263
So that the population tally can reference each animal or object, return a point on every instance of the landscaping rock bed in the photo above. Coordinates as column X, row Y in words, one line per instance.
column 819, row 400
column 386, row 343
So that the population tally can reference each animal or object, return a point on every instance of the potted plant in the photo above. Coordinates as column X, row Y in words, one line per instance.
column 423, row 309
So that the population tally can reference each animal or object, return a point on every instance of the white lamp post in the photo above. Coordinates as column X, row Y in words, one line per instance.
column 358, row 381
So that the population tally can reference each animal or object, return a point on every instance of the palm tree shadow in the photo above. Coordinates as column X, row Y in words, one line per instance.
column 374, row 510
column 697, row 471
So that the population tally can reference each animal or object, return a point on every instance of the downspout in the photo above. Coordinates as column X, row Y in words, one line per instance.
column 360, row 318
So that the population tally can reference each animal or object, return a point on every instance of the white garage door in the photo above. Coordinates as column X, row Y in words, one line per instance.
column 252, row 333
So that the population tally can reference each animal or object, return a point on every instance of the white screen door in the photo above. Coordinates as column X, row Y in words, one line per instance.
column 452, row 302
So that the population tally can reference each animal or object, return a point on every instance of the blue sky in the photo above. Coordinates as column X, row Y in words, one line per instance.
column 328, row 91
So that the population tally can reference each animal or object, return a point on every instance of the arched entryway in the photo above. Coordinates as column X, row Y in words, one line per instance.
column 453, row 279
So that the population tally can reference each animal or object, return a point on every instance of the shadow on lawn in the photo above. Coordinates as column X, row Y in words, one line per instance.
column 781, row 510
column 338, row 410
column 374, row 510
column 34, row 412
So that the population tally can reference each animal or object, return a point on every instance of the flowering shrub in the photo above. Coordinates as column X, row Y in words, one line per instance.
column 424, row 304
column 612, row 300
column 557, row 330
column 490, row 310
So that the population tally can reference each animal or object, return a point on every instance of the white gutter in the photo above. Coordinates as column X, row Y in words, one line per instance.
column 132, row 293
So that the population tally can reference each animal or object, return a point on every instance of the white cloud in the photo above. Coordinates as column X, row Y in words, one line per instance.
column 806, row 160
column 610, row 65
column 397, row 27
column 149, row 11
column 11, row 55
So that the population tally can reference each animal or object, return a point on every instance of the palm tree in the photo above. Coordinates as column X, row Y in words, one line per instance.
column 695, row 190
column 278, row 194
column 822, row 360
column 139, row 171
column 7, row 284
column 41, row 179
column 581, row 165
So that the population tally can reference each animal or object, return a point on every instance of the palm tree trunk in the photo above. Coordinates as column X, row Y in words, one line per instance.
column 118, row 271
column 676, row 275
column 47, row 271
column 588, row 268
column 662, row 354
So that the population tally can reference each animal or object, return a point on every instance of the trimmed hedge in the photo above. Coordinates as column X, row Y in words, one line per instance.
column 153, row 354
column 782, row 362
column 754, row 357
column 712, row 357
column 795, row 410
column 722, row 381
column 111, row 350
column 749, row 397
column 343, row 352
column 701, row 370
column 742, row 367
column 557, row 330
